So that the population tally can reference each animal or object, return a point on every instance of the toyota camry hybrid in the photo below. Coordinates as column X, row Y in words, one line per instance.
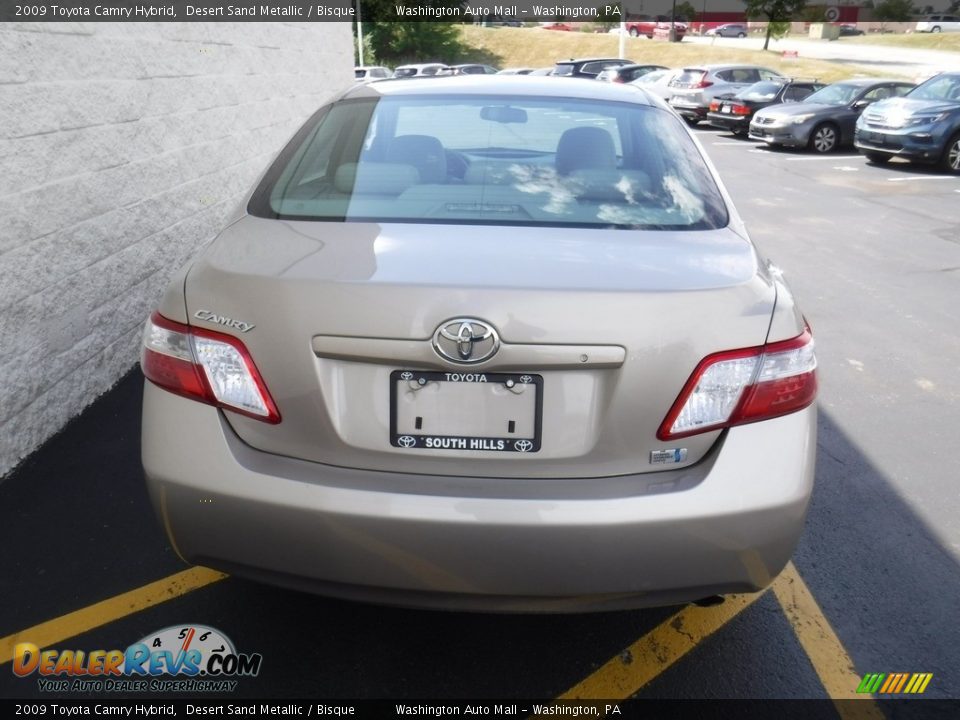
column 487, row 343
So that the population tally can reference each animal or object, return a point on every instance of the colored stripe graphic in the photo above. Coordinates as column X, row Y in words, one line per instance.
column 894, row 683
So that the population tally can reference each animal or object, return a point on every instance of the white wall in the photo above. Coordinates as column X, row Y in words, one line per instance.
column 123, row 146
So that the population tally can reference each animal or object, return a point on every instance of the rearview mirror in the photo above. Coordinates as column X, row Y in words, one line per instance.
column 503, row 114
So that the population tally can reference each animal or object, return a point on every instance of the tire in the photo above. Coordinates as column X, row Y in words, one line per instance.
column 875, row 158
column 825, row 138
column 950, row 162
column 935, row 29
column 741, row 35
column 692, row 122
column 634, row 32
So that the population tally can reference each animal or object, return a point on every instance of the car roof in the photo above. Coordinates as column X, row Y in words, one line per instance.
column 571, row 61
column 519, row 85
column 863, row 82
column 711, row 67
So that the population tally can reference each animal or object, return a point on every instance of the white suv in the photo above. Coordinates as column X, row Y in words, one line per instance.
column 939, row 23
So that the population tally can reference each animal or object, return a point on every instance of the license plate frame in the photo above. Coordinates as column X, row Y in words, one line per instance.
column 496, row 443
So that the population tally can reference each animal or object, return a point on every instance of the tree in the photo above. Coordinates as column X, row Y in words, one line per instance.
column 777, row 12
column 686, row 11
column 395, row 41
column 893, row 11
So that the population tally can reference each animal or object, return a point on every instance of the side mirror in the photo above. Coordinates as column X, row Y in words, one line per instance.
column 859, row 105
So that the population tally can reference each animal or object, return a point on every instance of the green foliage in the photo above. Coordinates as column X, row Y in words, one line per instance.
column 893, row 10
column 778, row 13
column 396, row 42
column 686, row 11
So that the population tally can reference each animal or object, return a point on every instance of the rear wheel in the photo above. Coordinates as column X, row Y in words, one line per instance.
column 877, row 158
column 692, row 122
column 634, row 32
column 824, row 138
column 950, row 161
column 741, row 35
column 936, row 28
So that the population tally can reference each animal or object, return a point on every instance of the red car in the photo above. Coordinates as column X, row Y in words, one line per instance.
column 557, row 26
column 648, row 26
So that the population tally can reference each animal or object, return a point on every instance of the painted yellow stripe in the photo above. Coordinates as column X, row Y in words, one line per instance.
column 107, row 611
column 829, row 658
column 926, row 682
column 622, row 676
column 915, row 681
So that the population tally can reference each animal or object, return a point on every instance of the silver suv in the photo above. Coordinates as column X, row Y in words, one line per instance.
column 695, row 87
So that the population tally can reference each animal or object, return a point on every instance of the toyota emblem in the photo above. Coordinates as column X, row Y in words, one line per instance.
column 467, row 341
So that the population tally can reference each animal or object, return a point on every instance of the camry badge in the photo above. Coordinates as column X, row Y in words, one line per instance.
column 466, row 340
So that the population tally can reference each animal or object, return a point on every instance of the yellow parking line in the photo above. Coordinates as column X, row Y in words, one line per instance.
column 829, row 658
column 621, row 677
column 106, row 611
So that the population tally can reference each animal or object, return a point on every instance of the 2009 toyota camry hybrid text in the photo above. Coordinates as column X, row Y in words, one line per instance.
column 484, row 343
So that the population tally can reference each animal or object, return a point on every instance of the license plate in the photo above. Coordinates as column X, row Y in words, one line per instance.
column 497, row 412
column 725, row 109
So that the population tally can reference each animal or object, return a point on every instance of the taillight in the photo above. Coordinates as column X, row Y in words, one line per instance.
column 715, row 106
column 742, row 386
column 703, row 82
column 207, row 366
column 740, row 110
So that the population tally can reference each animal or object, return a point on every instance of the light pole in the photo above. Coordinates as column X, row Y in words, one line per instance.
column 673, row 21
column 359, row 34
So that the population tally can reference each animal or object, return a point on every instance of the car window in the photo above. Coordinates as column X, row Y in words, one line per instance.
column 744, row 75
column 796, row 93
column 878, row 93
column 761, row 91
column 494, row 160
column 769, row 75
column 594, row 68
column 563, row 69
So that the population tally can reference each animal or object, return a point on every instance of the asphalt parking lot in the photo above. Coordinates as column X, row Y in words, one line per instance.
column 874, row 256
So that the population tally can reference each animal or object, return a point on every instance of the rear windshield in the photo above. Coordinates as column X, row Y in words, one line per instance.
column 690, row 77
column 761, row 91
column 404, row 72
column 563, row 69
column 493, row 160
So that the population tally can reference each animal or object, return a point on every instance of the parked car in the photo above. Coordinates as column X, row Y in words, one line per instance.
column 468, row 69
column 614, row 408
column 923, row 125
column 563, row 27
column 369, row 73
column 696, row 87
column 627, row 73
column 849, row 30
column 517, row 71
column 587, row 67
column 657, row 82
column 418, row 70
column 826, row 119
column 541, row 71
column 649, row 25
column 737, row 30
column 939, row 23
column 734, row 113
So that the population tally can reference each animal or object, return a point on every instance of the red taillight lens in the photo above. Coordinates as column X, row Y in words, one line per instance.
column 207, row 366
column 703, row 83
column 740, row 110
column 715, row 106
column 742, row 386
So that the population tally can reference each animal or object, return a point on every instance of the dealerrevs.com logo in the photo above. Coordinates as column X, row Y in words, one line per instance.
column 180, row 658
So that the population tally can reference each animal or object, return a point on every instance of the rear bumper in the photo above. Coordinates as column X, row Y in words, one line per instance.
column 689, row 110
column 734, row 123
column 731, row 527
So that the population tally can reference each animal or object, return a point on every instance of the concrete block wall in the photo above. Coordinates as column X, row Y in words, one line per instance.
column 123, row 148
